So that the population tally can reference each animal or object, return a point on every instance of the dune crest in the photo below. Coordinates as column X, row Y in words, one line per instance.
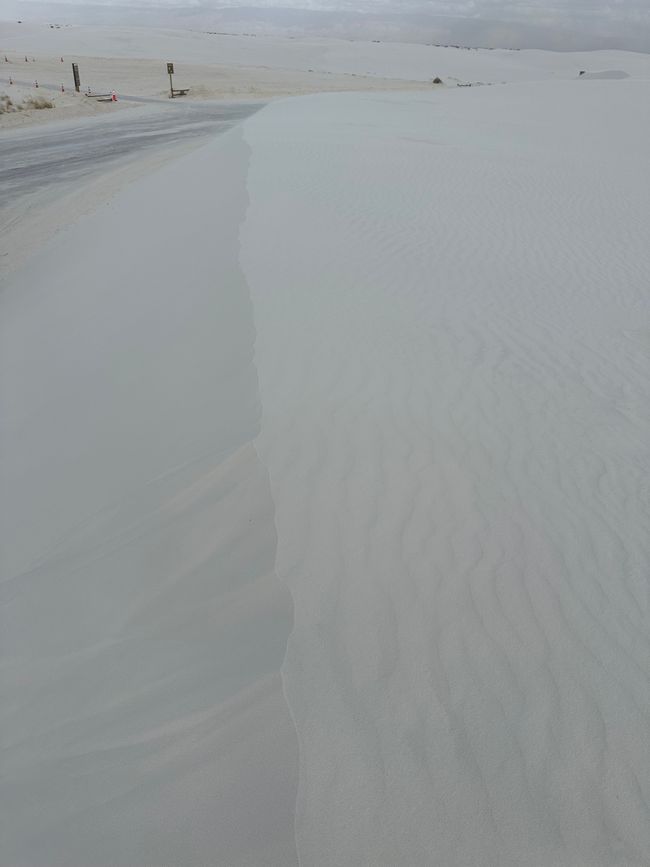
column 606, row 74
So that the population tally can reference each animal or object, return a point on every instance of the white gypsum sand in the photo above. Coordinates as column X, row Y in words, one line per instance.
column 388, row 60
column 384, row 354
column 452, row 344
column 143, row 627
column 132, row 61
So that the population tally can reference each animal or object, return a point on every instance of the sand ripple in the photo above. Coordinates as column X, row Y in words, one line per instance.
column 449, row 300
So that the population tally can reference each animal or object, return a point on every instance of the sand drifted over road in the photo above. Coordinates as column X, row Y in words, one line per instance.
column 143, row 624
column 324, row 494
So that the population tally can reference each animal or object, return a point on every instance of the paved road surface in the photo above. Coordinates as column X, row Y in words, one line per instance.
column 49, row 155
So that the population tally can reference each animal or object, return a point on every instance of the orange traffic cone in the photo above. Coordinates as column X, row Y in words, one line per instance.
column 113, row 96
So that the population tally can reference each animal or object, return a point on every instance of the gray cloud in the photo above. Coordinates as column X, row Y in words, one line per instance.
column 558, row 24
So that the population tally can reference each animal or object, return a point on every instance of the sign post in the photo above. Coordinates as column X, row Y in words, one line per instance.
column 170, row 72
column 75, row 74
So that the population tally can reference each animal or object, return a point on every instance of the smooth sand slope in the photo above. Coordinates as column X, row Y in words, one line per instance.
column 143, row 626
column 364, row 381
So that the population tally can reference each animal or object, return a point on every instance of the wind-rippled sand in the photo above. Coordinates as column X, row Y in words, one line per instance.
column 452, row 345
column 364, row 382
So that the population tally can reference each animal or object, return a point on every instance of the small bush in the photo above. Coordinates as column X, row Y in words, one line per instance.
column 37, row 102
column 6, row 105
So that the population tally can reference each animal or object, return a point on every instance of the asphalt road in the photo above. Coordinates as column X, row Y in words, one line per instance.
column 51, row 155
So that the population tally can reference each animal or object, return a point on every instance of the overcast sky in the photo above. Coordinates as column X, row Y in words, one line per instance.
column 629, row 11
column 506, row 23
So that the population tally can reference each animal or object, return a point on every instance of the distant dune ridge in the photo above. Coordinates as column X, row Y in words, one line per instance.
column 611, row 74
column 132, row 61
column 564, row 27
column 323, row 491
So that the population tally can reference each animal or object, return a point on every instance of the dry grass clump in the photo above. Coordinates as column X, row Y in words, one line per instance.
column 37, row 102
column 7, row 105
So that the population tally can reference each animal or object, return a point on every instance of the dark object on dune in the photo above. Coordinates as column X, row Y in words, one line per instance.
column 437, row 80
column 582, row 72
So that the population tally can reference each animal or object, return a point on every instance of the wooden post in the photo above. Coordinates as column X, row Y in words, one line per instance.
column 170, row 72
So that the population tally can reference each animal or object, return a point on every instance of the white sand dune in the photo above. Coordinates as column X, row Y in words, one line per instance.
column 364, row 381
column 451, row 306
column 612, row 74
column 389, row 60
column 132, row 61
column 143, row 627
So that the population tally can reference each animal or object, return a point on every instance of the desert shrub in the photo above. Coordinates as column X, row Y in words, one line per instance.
column 6, row 105
column 37, row 102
